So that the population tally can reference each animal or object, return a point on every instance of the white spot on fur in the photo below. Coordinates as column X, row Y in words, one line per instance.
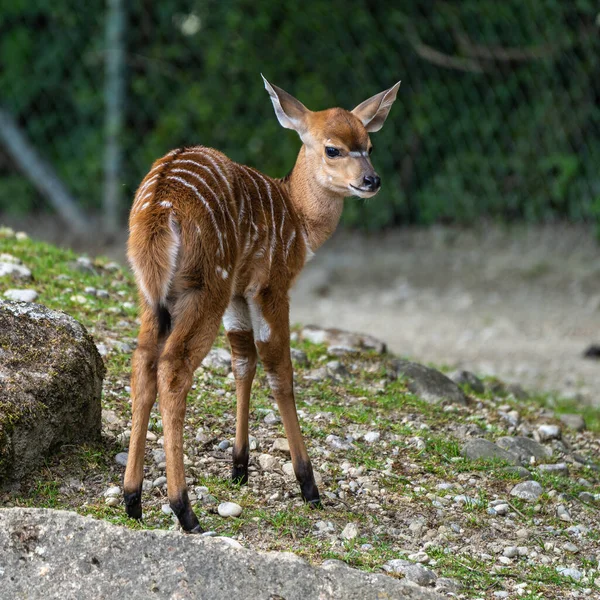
column 237, row 316
column 173, row 251
column 273, row 381
column 222, row 272
column 145, row 206
column 262, row 330
column 166, row 204
column 241, row 367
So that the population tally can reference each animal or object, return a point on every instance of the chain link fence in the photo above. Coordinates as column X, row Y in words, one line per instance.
column 498, row 115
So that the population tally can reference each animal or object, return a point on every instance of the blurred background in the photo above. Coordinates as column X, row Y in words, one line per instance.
column 480, row 252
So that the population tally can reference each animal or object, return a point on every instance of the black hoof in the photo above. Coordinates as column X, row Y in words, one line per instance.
column 314, row 503
column 185, row 515
column 133, row 504
column 308, row 487
column 239, row 472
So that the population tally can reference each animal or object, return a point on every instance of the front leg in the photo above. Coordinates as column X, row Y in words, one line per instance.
column 238, row 326
column 270, row 321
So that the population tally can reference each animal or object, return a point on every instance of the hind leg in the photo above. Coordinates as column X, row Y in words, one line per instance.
column 195, row 325
column 143, row 395
column 243, row 354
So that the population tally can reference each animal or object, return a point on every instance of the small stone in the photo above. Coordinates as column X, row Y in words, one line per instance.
column 112, row 501
column 159, row 456
column 520, row 472
column 501, row 509
column 21, row 236
column 121, row 458
column 570, row 547
column 413, row 572
column 288, row 470
column 573, row 421
column 523, row 550
column 469, row 379
column 229, row 541
column 525, row 448
column 90, row 290
column 562, row 513
column 556, row 469
column 337, row 442
column 572, row 573
column 335, row 367
column 271, row 418
column 529, row 491
column 218, row 360
column 419, row 557
column 21, row 295
column 159, row 482
column 14, row 270
column 549, row 432
column 166, row 508
column 500, row 594
column 299, row 357
column 223, row 445
column 350, row 531
column 480, row 448
column 115, row 490
column 446, row 585
column 102, row 294
column 267, row 462
column 510, row 552
column 112, row 266
column 280, row 445
column 372, row 436
column 229, row 509
column 253, row 443
column 586, row 497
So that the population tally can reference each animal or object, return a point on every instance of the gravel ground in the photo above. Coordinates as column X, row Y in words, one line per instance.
column 477, row 491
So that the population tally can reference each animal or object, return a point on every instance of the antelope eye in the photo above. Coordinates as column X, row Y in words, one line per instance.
column 332, row 152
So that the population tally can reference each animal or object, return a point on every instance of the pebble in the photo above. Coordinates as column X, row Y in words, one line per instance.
column 18, row 271
column 556, row 469
column 510, row 551
column 529, row 491
column 586, row 497
column 267, row 462
column 571, row 547
column 21, row 295
column 253, row 443
column 121, row 458
column 159, row 482
column 280, row 445
column 572, row 573
column 548, row 432
column 562, row 513
column 229, row 541
column 573, row 421
column 413, row 572
column 350, row 531
column 288, row 470
column 102, row 294
column 500, row 594
column 115, row 490
column 501, row 509
column 336, row 442
column 223, row 445
column 271, row 418
column 419, row 557
column 372, row 436
column 229, row 509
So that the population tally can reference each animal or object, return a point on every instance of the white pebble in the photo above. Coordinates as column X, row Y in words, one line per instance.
column 229, row 509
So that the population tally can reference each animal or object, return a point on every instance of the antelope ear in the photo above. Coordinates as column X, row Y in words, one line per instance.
column 374, row 111
column 290, row 112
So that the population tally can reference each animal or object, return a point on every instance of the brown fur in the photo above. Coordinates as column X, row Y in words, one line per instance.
column 208, row 238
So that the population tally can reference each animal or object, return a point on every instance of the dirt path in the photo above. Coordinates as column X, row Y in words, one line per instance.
column 521, row 303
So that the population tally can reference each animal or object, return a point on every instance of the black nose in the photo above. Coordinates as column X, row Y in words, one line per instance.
column 372, row 182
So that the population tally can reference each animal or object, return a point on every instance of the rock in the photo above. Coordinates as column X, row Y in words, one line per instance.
column 159, row 456
column 562, row 513
column 510, row 552
column 525, row 448
column 159, row 482
column 350, row 531
column 121, row 458
column 16, row 271
column 557, row 469
column 299, row 357
column 218, row 360
column 572, row 573
column 480, row 448
column 571, row 547
column 336, row 337
column 468, row 379
column 229, row 509
column 529, row 491
column 338, row 443
column 336, row 368
column 319, row 374
column 372, row 436
column 413, row 572
column 50, row 386
column 112, row 501
column 521, row 472
column 281, row 445
column 21, row 295
column 267, row 462
column 501, row 509
column 445, row 585
column 428, row 384
column 223, row 445
column 271, row 418
column 288, row 470
column 586, row 497
column 573, row 421
column 549, row 432
column 115, row 490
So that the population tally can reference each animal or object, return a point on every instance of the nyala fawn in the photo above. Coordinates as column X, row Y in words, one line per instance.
column 212, row 240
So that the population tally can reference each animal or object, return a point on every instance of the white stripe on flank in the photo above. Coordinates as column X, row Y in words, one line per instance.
column 166, row 204
column 145, row 206
column 259, row 198
column 202, row 180
column 289, row 244
column 211, row 157
column 173, row 252
column 309, row 252
column 274, row 233
column 206, row 204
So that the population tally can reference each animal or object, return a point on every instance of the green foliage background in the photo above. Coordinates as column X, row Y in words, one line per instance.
column 514, row 138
